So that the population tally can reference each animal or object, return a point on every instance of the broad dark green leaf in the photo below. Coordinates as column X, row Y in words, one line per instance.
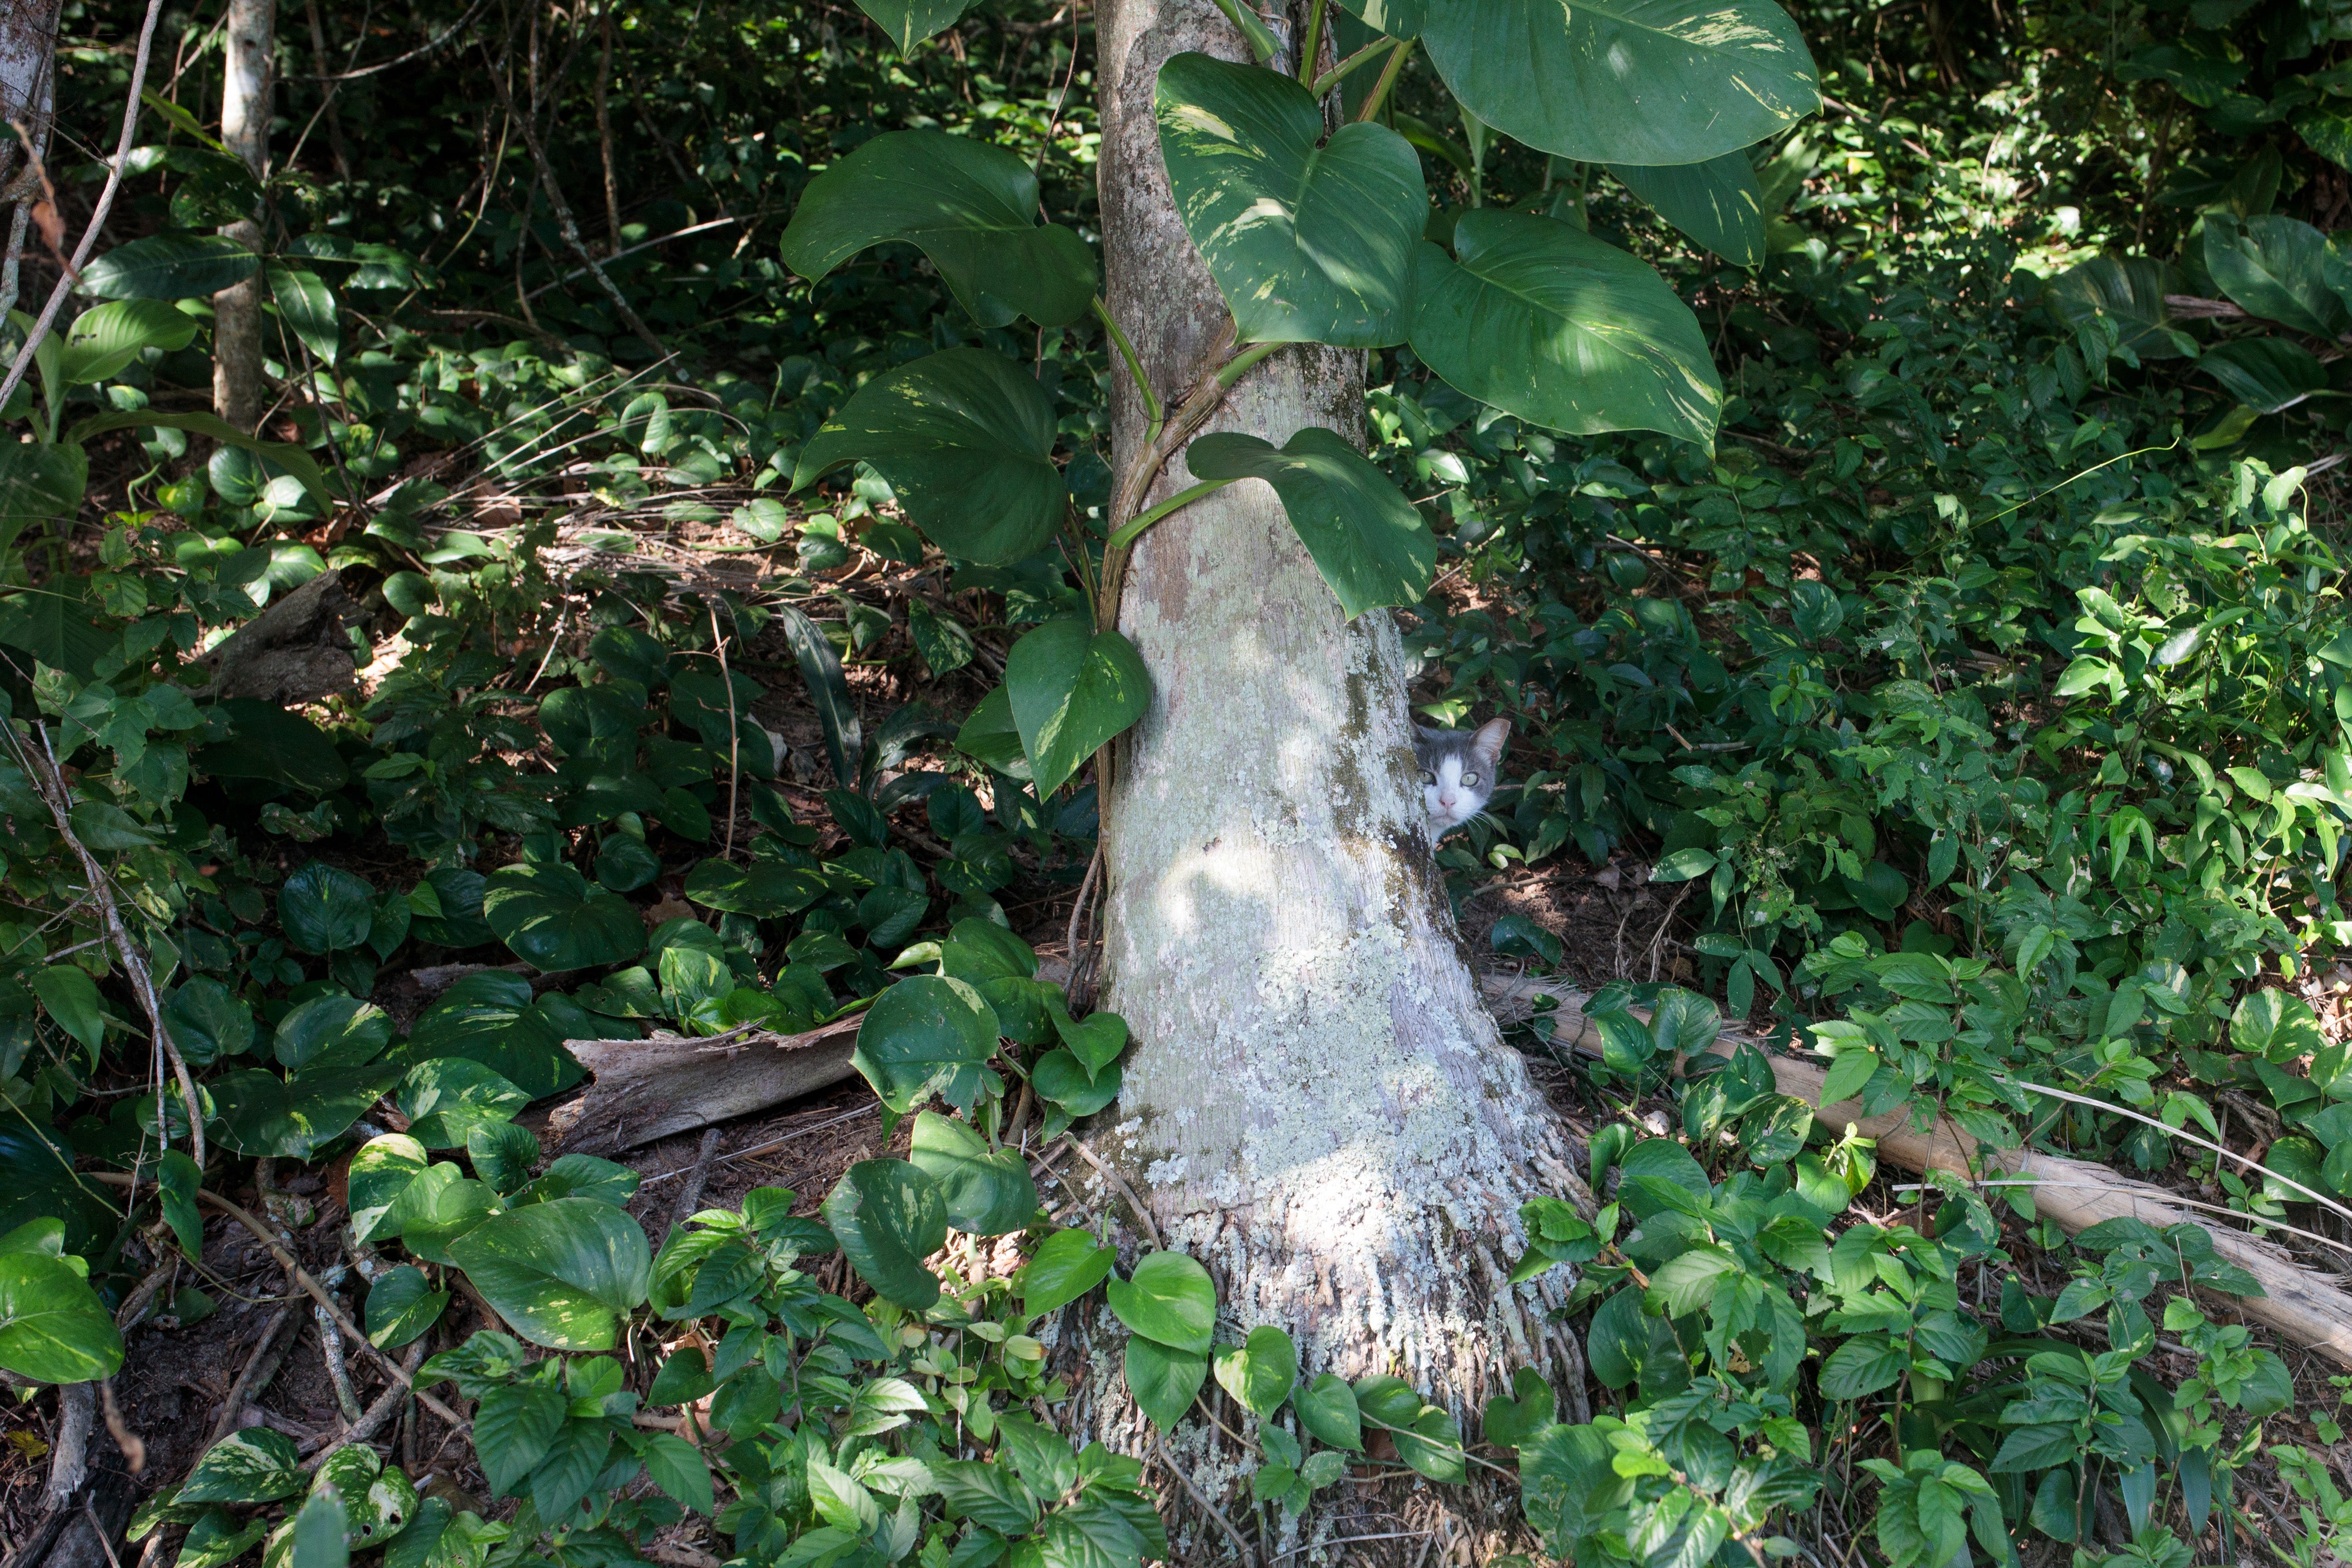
column 1542, row 320
column 306, row 307
column 170, row 267
column 1308, row 233
column 966, row 439
column 379, row 1174
column 2130, row 291
column 209, row 1021
column 925, row 1034
column 446, row 1097
column 1625, row 81
column 325, row 909
column 1066, row 1265
column 559, row 1273
column 37, row 1183
column 987, row 1192
column 889, row 1217
column 1717, row 203
column 1327, row 1408
column 70, row 998
column 1062, row 1080
column 268, row 742
column 293, row 459
column 1862, row 1365
column 989, row 735
column 970, row 207
column 1163, row 1379
column 261, row 1115
column 762, row 888
column 1071, row 689
column 61, row 625
column 2275, row 267
column 910, row 22
column 2267, row 374
column 513, row 1425
column 401, row 1304
column 828, row 692
column 1369, row 543
column 38, row 484
column 554, row 919
column 1260, row 1373
column 104, row 339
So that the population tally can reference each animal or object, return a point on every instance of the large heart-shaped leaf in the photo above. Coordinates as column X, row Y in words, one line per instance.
column 1164, row 1379
column 987, row 1192
column 170, row 267
column 1261, row 1372
column 53, row 1327
column 970, row 207
column 1625, row 81
column 1542, row 320
column 763, row 888
column 1071, row 689
column 1368, row 542
column 105, row 339
column 2276, row 267
column 380, row 1174
column 966, row 439
column 2266, row 374
column 554, row 919
column 38, row 484
column 488, row 1017
column 910, row 22
column 1308, row 234
column 448, row 1097
column 1170, row 1298
column 37, row 1183
column 559, row 1273
column 2130, row 291
column 924, row 1034
column 253, row 1466
column 401, row 1305
column 1718, row 203
column 258, row 1114
column 332, row 1032
column 326, row 909
column 889, row 1217
column 1066, row 1265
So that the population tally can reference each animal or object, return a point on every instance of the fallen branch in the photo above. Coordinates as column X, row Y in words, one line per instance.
column 641, row 1089
column 2077, row 1194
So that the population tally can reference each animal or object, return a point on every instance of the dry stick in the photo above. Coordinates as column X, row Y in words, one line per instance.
column 374, row 1418
column 689, row 1196
column 96, row 222
column 317, row 1292
column 565, row 224
column 1240, row 1545
column 134, row 1452
column 605, row 131
column 339, row 1374
column 52, row 785
column 259, row 1368
column 734, row 732
column 1080, row 985
column 1143, row 1215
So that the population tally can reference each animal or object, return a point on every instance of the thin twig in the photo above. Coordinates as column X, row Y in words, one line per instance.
column 134, row 1452
column 374, row 1418
column 339, row 1372
column 1082, row 970
column 97, row 217
column 1143, row 1215
column 1241, row 1546
column 259, row 1368
column 734, row 732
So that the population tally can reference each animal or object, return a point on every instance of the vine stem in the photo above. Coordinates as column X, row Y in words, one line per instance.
column 97, row 217
column 1262, row 41
column 1345, row 68
column 1134, row 368
column 1388, row 79
column 1313, row 44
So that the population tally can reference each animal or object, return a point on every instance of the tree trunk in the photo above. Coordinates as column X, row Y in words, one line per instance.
column 240, row 383
column 1317, row 1105
column 29, row 81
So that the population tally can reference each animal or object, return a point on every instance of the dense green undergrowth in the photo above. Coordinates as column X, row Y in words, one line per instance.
column 1983, row 694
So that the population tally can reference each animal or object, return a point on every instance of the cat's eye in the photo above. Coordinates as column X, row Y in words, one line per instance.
column 1470, row 778
column 1428, row 776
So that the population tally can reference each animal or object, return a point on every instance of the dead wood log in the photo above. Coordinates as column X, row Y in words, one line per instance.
column 641, row 1089
column 2299, row 1302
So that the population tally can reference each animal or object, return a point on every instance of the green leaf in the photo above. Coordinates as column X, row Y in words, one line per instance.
column 1327, row 1408
column 1062, row 1079
column 966, row 439
column 678, row 1467
column 306, row 306
column 2267, row 374
column 1685, row 1021
column 828, row 692
column 1369, row 543
column 170, row 267
column 261, row 1115
column 970, row 207
column 1066, row 1265
column 554, row 919
column 1544, row 322
column 105, row 339
column 401, row 1305
column 53, row 1327
column 987, row 1192
column 326, row 910
column 559, row 1273
column 910, row 22
column 253, row 1466
column 1072, row 689
column 1686, row 1282
column 268, row 742
column 1308, row 233
column 514, row 1425
column 70, row 997
column 1717, row 203
column 2130, row 291
column 439, row 1208
column 766, row 889
column 1512, row 1418
column 176, row 1181
column 1096, row 1041
column 208, row 1021
column 38, row 1185
column 445, row 1097
column 1625, row 81
column 2276, row 1024
column 1163, row 1379
column 924, row 1035
column 989, row 735
column 107, row 829
column 1862, row 1366
column 39, row 482
column 332, row 1032
column 1169, row 1297
column 1260, row 1373
column 889, row 1217
column 2275, row 267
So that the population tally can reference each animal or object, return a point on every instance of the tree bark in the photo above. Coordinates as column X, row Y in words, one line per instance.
column 241, row 382
column 1317, row 1105
column 28, row 82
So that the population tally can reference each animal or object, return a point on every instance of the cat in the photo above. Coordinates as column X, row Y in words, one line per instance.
column 1457, row 770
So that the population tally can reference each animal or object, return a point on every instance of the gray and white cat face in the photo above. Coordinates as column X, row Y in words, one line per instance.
column 1458, row 769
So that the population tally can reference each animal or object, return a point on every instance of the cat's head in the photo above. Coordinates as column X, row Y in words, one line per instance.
column 1458, row 769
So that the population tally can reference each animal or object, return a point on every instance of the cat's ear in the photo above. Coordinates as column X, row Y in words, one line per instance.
column 1489, row 740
